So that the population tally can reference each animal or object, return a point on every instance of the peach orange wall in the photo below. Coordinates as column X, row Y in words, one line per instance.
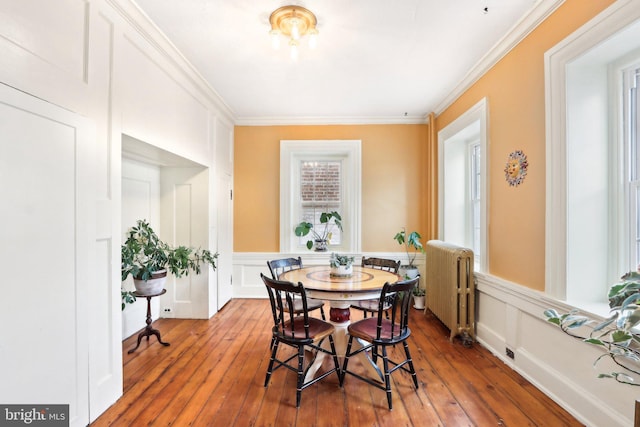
column 393, row 180
column 515, row 88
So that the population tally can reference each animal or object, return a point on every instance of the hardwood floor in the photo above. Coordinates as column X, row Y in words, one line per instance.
column 213, row 375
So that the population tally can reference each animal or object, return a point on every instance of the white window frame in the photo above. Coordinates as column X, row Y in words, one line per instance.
column 558, row 255
column 629, row 74
column 349, row 152
column 475, row 179
column 475, row 116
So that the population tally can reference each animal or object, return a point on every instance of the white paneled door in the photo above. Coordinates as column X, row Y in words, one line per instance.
column 47, row 226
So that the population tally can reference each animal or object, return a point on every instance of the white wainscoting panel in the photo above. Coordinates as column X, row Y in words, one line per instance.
column 511, row 316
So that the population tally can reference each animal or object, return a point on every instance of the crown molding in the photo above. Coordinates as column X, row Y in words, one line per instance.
column 538, row 13
column 302, row 121
column 132, row 13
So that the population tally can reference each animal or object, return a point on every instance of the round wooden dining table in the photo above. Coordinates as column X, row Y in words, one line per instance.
column 365, row 283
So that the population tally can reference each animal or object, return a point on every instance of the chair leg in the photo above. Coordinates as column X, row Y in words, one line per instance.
column 274, row 350
column 300, row 375
column 346, row 361
column 335, row 359
column 414, row 377
column 387, row 376
column 322, row 313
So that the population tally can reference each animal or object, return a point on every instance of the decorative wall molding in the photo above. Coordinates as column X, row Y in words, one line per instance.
column 143, row 25
column 308, row 121
column 511, row 316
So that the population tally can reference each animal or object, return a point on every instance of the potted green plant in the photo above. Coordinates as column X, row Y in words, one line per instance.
column 148, row 259
column 322, row 236
column 341, row 265
column 412, row 245
column 617, row 336
column 418, row 297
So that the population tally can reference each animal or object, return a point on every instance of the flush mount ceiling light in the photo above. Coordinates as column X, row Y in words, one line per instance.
column 294, row 23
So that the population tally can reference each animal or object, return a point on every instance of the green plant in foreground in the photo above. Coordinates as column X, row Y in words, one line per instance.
column 617, row 335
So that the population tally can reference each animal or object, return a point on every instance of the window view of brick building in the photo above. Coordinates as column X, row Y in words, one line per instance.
column 320, row 188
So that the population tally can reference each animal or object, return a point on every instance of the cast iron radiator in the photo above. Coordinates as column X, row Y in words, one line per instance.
column 450, row 288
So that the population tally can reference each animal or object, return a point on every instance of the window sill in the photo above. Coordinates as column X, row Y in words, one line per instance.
column 599, row 310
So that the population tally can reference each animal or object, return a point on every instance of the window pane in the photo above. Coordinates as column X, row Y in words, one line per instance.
column 321, row 191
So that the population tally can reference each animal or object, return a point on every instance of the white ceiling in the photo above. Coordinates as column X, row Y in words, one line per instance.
column 376, row 60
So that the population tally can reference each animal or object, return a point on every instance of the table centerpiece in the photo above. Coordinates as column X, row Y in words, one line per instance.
column 341, row 265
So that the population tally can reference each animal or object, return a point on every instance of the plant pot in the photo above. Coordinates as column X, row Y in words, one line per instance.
column 410, row 272
column 342, row 271
column 418, row 302
column 153, row 286
column 320, row 245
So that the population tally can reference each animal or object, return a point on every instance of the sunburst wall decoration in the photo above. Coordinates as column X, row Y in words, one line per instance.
column 516, row 168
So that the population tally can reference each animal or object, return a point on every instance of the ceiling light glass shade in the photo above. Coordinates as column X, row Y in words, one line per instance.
column 295, row 31
column 275, row 39
column 313, row 38
column 294, row 23
column 294, row 49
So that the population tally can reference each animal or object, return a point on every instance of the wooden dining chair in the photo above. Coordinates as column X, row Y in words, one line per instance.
column 298, row 330
column 378, row 333
column 371, row 306
column 279, row 266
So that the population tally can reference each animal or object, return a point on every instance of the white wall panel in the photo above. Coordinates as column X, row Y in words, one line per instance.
column 105, row 358
column 184, row 221
column 224, row 146
column 140, row 200
column 105, row 363
column 103, row 60
column 157, row 109
column 492, row 312
column 46, row 158
column 43, row 49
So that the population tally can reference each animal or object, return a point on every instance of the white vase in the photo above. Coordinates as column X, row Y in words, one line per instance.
column 410, row 272
column 152, row 286
column 418, row 302
column 342, row 271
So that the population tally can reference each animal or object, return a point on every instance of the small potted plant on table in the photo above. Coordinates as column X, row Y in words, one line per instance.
column 410, row 241
column 341, row 265
column 147, row 259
